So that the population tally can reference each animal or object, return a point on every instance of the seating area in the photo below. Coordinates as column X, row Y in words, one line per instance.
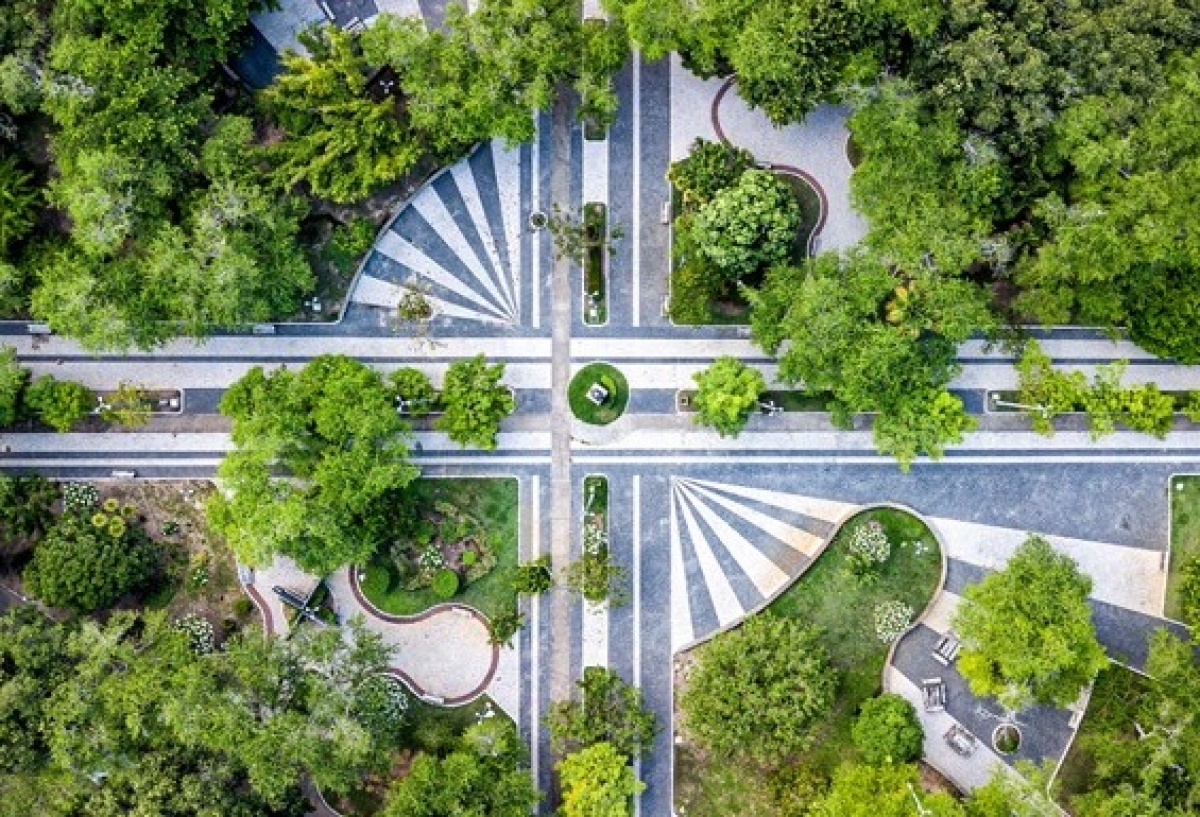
column 946, row 650
column 933, row 694
column 961, row 741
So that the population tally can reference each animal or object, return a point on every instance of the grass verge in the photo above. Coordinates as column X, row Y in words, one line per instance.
column 829, row 597
column 595, row 282
column 609, row 377
column 493, row 503
column 1185, row 535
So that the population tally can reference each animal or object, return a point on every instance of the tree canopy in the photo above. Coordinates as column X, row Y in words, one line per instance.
column 1027, row 630
column 333, row 428
column 597, row 781
column 474, row 401
column 727, row 392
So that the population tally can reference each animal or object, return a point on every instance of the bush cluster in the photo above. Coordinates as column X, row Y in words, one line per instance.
column 891, row 620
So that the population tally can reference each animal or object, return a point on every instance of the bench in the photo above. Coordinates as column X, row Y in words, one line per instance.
column 946, row 650
column 961, row 741
column 933, row 694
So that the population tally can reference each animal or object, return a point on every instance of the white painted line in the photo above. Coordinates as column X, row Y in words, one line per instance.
column 403, row 252
column 535, row 200
column 796, row 538
column 765, row 574
column 681, row 609
column 535, row 622
column 724, row 600
column 507, row 164
column 464, row 179
column 375, row 292
column 825, row 509
column 637, row 611
column 636, row 215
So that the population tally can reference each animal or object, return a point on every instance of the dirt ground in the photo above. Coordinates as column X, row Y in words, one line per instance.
column 199, row 574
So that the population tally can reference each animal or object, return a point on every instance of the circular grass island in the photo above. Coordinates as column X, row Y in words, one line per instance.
column 598, row 394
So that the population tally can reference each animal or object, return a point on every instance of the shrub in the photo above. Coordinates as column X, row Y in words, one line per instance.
column 891, row 620
column 867, row 549
column 534, row 577
column 503, row 626
column 84, row 568
column 381, row 705
column 199, row 632
column 606, row 710
column 111, row 505
column 445, row 583
column 1189, row 592
column 80, row 496
column 59, row 404
column 242, row 607
column 709, row 168
column 888, row 730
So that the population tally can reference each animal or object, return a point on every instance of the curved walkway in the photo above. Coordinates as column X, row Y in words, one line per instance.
column 443, row 653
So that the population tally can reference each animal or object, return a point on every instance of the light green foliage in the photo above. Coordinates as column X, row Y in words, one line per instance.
column 534, row 577
column 597, row 782
column 876, row 342
column 380, row 705
column 1017, row 795
column 727, row 392
column 1027, row 630
column 759, row 690
column 414, row 388
column 748, row 226
column 341, row 141
column 881, row 791
column 99, row 197
column 333, row 426
column 1050, row 390
column 655, row 26
column 59, row 404
column 929, row 193
column 13, row 379
column 709, row 168
column 19, row 201
column 127, row 406
column 888, row 731
column 605, row 48
column 606, row 710
column 483, row 776
column 84, row 567
column 475, row 401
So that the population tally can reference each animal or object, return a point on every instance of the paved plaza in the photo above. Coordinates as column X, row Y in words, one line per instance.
column 709, row 528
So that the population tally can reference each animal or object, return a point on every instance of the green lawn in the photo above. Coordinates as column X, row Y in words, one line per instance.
column 828, row 597
column 1185, row 534
column 1110, row 716
column 491, row 501
column 613, row 407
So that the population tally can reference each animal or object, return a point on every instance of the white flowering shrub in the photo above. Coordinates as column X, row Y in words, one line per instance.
column 595, row 539
column 199, row 632
column 891, row 620
column 380, row 705
column 80, row 496
column 869, row 541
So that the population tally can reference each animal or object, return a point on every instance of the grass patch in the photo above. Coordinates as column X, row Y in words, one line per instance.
column 491, row 501
column 828, row 596
column 1110, row 717
column 1185, row 535
column 595, row 282
column 595, row 494
column 609, row 377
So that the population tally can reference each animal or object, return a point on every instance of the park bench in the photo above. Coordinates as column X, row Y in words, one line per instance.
column 946, row 650
column 961, row 741
column 933, row 694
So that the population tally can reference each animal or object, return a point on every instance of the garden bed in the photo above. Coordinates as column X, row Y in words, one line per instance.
column 613, row 406
column 828, row 596
column 595, row 274
column 1185, row 536
column 488, row 508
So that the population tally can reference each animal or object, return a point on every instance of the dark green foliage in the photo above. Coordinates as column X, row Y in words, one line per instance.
column 333, row 425
column 445, row 583
column 610, row 378
column 19, row 201
column 888, row 730
column 380, row 705
column 59, row 404
column 504, row 626
column 709, row 168
column 414, row 388
column 484, row 775
column 749, row 226
column 475, row 401
column 606, row 710
column 759, row 690
column 1189, row 592
column 25, row 508
column 83, row 567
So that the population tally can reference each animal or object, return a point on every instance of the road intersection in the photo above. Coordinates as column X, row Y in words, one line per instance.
column 709, row 528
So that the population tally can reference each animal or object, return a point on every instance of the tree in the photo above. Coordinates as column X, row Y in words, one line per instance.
column 607, row 710
column 18, row 203
column 485, row 775
column 727, row 392
column 709, row 168
column 597, row 782
column 343, row 140
column 748, row 226
column 759, row 690
column 654, row 25
column 13, row 379
column 59, row 404
column 881, row 791
column 414, row 392
column 1027, row 630
column 24, row 510
column 887, row 730
column 127, row 406
column 85, row 566
column 474, row 401
column 334, row 428
column 1023, row 793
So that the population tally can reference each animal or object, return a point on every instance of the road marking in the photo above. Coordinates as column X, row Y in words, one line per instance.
column 535, row 622
column 636, row 215
column 535, row 255
column 637, row 605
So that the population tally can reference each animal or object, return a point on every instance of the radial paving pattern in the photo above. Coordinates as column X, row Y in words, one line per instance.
column 458, row 241
column 733, row 547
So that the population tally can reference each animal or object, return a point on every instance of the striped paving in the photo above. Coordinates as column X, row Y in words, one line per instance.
column 458, row 242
